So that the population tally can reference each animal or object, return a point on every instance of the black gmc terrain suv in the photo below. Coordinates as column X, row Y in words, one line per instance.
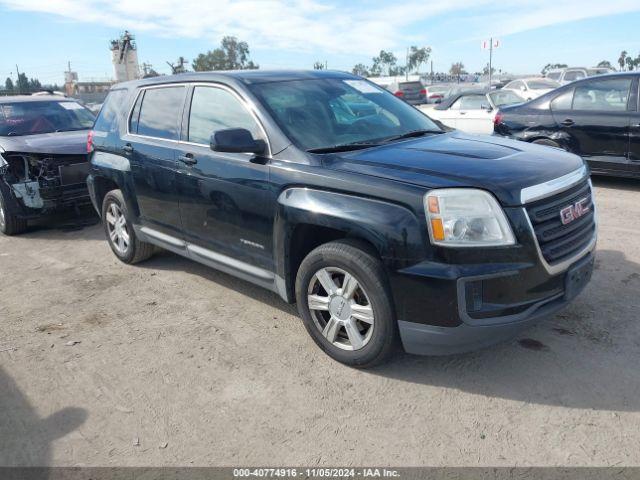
column 337, row 195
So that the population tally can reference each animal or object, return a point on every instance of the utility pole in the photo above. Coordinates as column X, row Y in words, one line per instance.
column 406, row 68
column 490, row 60
column 18, row 82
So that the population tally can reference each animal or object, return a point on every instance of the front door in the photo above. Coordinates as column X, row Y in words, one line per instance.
column 150, row 144
column 634, row 130
column 597, row 123
column 226, row 204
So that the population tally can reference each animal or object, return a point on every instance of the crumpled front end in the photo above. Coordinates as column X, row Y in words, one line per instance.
column 35, row 184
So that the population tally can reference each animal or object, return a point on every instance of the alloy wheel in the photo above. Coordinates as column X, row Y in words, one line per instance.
column 117, row 228
column 340, row 308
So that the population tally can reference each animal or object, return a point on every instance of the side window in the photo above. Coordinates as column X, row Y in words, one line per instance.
column 553, row 76
column 563, row 101
column 603, row 95
column 160, row 112
column 111, row 110
column 573, row 75
column 473, row 102
column 214, row 109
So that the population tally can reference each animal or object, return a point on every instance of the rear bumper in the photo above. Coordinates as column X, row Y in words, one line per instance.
column 473, row 330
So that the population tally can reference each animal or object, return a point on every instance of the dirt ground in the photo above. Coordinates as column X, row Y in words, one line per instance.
column 178, row 364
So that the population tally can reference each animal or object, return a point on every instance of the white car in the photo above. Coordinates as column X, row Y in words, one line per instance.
column 568, row 75
column 530, row 88
column 473, row 111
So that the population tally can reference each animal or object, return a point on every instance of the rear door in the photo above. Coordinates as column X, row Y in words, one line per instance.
column 474, row 114
column 150, row 144
column 225, row 201
column 597, row 123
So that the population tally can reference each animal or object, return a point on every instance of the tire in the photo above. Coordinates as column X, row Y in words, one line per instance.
column 547, row 142
column 114, row 211
column 10, row 224
column 329, row 318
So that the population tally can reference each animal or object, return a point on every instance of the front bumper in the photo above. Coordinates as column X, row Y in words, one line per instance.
column 479, row 309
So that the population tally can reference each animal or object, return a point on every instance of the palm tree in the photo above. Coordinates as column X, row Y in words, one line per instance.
column 622, row 59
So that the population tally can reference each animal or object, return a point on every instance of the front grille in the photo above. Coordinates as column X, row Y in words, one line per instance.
column 557, row 241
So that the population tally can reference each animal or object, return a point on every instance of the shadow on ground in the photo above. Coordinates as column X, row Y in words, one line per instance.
column 631, row 184
column 25, row 437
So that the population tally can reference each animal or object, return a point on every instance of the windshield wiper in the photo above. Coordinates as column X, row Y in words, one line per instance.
column 71, row 129
column 343, row 148
column 411, row 134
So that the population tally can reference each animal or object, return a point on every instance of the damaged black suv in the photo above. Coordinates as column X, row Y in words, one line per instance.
column 43, row 158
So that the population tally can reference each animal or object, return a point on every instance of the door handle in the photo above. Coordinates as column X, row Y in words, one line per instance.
column 568, row 122
column 188, row 159
column 128, row 149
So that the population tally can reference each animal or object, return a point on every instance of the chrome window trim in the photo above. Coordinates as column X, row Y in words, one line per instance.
column 248, row 105
column 565, row 264
column 552, row 187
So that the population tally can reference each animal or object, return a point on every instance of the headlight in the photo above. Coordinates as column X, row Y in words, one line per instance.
column 466, row 217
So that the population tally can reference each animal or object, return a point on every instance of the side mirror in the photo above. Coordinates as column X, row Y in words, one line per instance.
column 236, row 140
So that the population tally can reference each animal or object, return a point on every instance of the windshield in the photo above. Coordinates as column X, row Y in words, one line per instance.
column 32, row 118
column 505, row 97
column 323, row 113
column 542, row 84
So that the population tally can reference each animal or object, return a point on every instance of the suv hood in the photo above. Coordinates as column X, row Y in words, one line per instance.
column 501, row 166
column 60, row 143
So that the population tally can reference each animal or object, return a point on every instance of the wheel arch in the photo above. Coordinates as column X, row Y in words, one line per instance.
column 307, row 218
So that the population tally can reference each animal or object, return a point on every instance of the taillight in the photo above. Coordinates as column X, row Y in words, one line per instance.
column 423, row 91
column 90, row 141
column 497, row 120
column 399, row 93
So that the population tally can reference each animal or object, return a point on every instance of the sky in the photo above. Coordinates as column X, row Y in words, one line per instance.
column 41, row 36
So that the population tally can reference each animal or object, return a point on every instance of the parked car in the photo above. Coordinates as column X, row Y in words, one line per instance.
column 530, row 88
column 436, row 93
column 473, row 111
column 43, row 158
column 567, row 75
column 382, row 227
column 412, row 92
column 596, row 118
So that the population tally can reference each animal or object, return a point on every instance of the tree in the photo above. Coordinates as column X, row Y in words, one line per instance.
column 553, row 66
column 22, row 83
column 179, row 66
column 457, row 69
column 384, row 63
column 34, row 85
column 605, row 64
column 231, row 55
column 417, row 56
column 360, row 69
column 622, row 59
column 8, row 85
column 318, row 65
column 485, row 70
column 631, row 63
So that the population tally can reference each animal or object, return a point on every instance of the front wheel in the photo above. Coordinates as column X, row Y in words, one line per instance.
column 346, row 305
column 10, row 224
column 119, row 230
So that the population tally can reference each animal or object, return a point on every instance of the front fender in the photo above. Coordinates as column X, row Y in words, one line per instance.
column 392, row 229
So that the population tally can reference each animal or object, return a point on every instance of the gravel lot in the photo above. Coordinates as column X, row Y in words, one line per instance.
column 178, row 364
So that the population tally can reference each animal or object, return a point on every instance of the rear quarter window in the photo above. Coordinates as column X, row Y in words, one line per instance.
column 111, row 111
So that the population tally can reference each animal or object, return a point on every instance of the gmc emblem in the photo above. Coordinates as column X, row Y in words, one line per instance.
column 575, row 211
